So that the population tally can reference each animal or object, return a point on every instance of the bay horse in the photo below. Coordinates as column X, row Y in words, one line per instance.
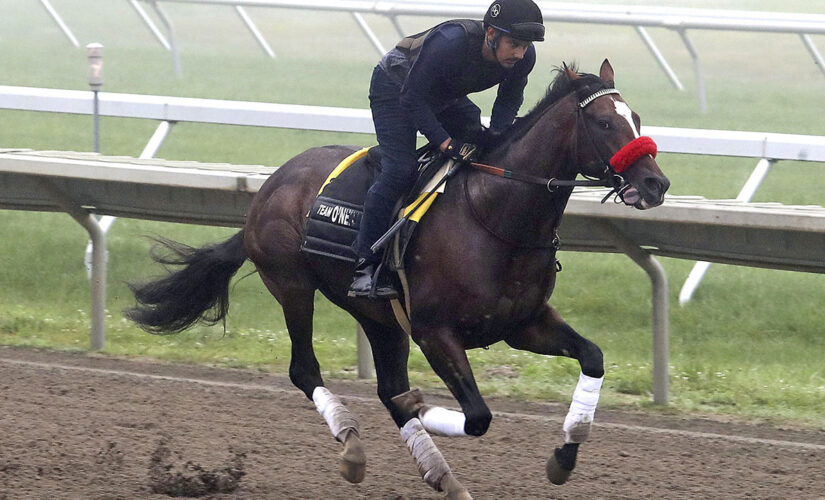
column 481, row 269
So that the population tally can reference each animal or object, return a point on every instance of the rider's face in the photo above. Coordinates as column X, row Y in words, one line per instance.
column 510, row 51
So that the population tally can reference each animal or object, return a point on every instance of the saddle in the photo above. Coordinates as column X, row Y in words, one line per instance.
column 335, row 217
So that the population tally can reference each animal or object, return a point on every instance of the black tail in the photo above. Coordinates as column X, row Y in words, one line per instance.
column 198, row 292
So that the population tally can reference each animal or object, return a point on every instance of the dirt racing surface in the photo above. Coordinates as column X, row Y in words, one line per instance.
column 88, row 427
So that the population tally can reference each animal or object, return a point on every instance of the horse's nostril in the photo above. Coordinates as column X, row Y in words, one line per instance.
column 658, row 185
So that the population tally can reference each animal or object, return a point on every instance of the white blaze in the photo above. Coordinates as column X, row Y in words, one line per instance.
column 623, row 110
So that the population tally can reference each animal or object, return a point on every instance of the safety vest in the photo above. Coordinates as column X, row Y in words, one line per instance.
column 411, row 45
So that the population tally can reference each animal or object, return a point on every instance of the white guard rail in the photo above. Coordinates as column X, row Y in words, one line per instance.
column 334, row 119
column 679, row 20
column 766, row 235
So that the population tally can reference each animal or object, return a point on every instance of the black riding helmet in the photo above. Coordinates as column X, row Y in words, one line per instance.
column 520, row 19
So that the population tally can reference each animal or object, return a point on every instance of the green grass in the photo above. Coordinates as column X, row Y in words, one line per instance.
column 747, row 346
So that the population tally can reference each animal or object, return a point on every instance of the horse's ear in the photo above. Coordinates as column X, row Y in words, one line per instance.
column 572, row 75
column 606, row 73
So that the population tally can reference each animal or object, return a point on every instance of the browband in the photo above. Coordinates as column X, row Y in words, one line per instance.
column 597, row 95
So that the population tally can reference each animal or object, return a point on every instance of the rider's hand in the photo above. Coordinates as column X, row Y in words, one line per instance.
column 460, row 151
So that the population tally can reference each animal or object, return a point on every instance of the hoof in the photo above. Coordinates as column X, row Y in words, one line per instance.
column 353, row 460
column 454, row 490
column 555, row 472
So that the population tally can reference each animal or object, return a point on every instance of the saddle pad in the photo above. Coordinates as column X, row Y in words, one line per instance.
column 335, row 217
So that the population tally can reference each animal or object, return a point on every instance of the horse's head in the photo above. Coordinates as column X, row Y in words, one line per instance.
column 608, row 142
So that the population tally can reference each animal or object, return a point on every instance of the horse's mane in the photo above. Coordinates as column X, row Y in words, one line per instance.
column 561, row 86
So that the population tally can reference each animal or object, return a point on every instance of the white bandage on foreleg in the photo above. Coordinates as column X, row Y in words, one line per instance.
column 582, row 409
column 431, row 463
column 442, row 422
column 337, row 415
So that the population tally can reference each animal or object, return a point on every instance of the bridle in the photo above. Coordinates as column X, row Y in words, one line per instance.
column 611, row 169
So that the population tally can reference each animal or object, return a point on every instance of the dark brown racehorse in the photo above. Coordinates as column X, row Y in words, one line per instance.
column 481, row 269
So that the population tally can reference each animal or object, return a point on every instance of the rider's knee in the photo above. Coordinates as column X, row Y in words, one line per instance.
column 392, row 186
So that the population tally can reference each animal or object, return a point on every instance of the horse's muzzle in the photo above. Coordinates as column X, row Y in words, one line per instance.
column 650, row 194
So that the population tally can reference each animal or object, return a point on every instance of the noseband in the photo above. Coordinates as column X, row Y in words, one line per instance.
column 612, row 168
column 623, row 158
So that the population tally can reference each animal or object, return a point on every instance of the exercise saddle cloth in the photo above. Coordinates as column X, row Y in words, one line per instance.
column 335, row 217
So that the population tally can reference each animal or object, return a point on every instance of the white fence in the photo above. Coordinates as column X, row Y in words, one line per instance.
column 678, row 20
column 762, row 145
column 767, row 235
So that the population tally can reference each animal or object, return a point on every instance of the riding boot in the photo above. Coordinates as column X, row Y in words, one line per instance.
column 364, row 282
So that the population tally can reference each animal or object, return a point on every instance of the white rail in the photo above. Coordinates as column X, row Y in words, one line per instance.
column 334, row 119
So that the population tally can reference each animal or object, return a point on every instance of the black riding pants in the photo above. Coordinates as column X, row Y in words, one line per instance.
column 396, row 136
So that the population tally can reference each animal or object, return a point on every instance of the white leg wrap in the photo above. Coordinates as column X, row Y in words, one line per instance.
column 582, row 409
column 337, row 415
column 442, row 422
column 430, row 461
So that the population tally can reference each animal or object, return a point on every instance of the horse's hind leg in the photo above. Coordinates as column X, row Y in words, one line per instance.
column 552, row 336
column 305, row 373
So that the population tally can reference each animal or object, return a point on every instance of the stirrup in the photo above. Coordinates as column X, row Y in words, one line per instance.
column 377, row 290
column 382, row 290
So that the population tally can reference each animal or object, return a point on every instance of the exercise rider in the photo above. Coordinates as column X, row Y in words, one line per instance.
column 422, row 85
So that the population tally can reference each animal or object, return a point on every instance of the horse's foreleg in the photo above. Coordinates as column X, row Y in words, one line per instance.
column 449, row 360
column 435, row 419
column 431, row 463
column 552, row 336
column 390, row 351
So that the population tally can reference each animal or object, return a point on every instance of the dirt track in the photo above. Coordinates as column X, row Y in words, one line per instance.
column 86, row 427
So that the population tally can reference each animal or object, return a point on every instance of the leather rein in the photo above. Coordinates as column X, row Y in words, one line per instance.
column 550, row 184
column 613, row 168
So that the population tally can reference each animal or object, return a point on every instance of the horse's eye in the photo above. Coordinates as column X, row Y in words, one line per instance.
column 604, row 124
